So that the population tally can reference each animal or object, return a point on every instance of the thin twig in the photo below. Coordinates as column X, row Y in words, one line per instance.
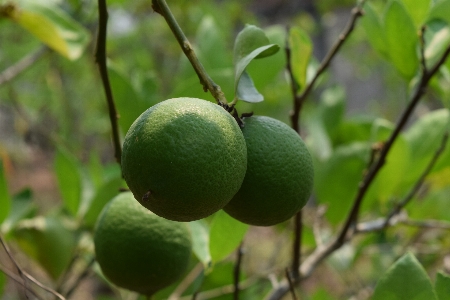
column 42, row 286
column 356, row 13
column 431, row 224
column 237, row 271
column 420, row 181
column 80, row 278
column 13, row 71
column 291, row 284
column 19, row 281
column 320, row 253
column 13, row 260
column 100, row 56
column 296, row 247
column 379, row 163
column 187, row 281
column 423, row 63
column 161, row 7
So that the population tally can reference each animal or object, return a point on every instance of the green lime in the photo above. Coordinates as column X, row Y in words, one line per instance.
column 279, row 176
column 184, row 158
column 136, row 249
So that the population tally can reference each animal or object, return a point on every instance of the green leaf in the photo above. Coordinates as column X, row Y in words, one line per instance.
column 48, row 241
column 418, row 10
column 53, row 27
column 336, row 179
column 401, row 39
column 128, row 101
column 5, row 200
column 69, row 180
column 406, row 279
column 22, row 207
column 440, row 11
column 373, row 26
column 388, row 180
column 247, row 91
column 225, row 235
column 103, row 195
column 424, row 137
column 251, row 43
column 301, row 50
column 200, row 242
column 442, row 286
column 437, row 39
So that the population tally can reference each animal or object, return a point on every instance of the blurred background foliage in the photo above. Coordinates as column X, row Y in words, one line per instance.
column 57, row 156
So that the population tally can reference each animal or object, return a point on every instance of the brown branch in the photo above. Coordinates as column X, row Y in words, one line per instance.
column 19, row 280
column 320, row 253
column 161, row 7
column 100, row 56
column 291, row 284
column 357, row 12
column 296, row 247
column 13, row 71
column 237, row 272
column 80, row 278
column 24, row 274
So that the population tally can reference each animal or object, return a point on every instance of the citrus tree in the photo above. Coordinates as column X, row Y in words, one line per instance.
column 321, row 132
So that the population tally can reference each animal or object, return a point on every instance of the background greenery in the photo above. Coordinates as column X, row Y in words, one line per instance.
column 58, row 168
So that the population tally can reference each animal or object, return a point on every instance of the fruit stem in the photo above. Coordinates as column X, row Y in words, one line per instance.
column 161, row 7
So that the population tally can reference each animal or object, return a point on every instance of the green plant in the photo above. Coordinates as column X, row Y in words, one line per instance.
column 184, row 158
column 371, row 103
column 138, row 250
column 279, row 177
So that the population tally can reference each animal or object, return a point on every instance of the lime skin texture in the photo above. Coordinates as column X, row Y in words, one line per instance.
column 184, row 158
column 137, row 250
column 279, row 177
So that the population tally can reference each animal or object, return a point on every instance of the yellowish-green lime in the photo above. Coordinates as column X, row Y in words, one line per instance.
column 184, row 158
column 137, row 250
column 279, row 176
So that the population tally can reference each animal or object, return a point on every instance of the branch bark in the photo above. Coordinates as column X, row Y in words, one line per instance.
column 100, row 56
column 161, row 7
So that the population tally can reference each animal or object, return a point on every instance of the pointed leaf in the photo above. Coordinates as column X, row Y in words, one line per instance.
column 373, row 26
column 53, row 27
column 22, row 207
column 437, row 39
column 406, row 279
column 5, row 200
column 418, row 10
column 440, row 11
column 301, row 50
column 200, row 242
column 250, row 43
column 401, row 39
column 442, row 286
column 103, row 195
column 129, row 103
column 69, row 180
column 247, row 91
column 48, row 241
column 225, row 235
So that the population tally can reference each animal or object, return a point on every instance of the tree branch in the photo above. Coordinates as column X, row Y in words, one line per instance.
column 161, row 7
column 13, row 71
column 24, row 274
column 237, row 272
column 320, row 253
column 357, row 12
column 19, row 281
column 100, row 56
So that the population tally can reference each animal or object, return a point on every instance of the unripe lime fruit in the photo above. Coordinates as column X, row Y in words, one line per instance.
column 136, row 249
column 279, row 176
column 184, row 158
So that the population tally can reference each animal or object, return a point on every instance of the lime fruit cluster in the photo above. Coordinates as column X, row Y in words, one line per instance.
column 184, row 158
column 279, row 176
column 137, row 250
